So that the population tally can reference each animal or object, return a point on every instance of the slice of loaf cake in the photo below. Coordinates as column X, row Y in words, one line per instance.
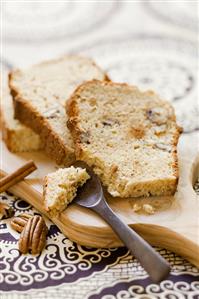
column 129, row 137
column 39, row 95
column 17, row 137
column 60, row 188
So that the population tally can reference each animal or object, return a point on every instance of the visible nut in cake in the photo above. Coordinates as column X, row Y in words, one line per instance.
column 158, row 115
column 161, row 129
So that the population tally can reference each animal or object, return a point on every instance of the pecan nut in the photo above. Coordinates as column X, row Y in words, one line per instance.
column 6, row 211
column 33, row 236
column 18, row 223
column 158, row 115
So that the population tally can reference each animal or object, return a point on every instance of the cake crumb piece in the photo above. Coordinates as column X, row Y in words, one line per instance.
column 136, row 207
column 148, row 209
column 61, row 186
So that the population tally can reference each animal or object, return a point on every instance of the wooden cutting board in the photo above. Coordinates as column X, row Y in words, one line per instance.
column 174, row 226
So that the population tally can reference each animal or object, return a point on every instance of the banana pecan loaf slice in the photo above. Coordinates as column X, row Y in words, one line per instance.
column 129, row 137
column 60, row 188
column 39, row 95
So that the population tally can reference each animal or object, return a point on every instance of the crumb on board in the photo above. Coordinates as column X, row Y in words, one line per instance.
column 136, row 207
column 146, row 208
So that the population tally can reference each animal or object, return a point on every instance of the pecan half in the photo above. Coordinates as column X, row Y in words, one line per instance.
column 33, row 236
column 6, row 211
column 18, row 223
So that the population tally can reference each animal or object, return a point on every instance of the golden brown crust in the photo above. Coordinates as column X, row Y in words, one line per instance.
column 175, row 155
column 72, row 124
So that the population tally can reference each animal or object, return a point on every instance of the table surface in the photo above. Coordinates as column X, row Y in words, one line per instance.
column 152, row 44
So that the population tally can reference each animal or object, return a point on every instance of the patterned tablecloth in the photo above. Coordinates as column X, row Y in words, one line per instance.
column 149, row 43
